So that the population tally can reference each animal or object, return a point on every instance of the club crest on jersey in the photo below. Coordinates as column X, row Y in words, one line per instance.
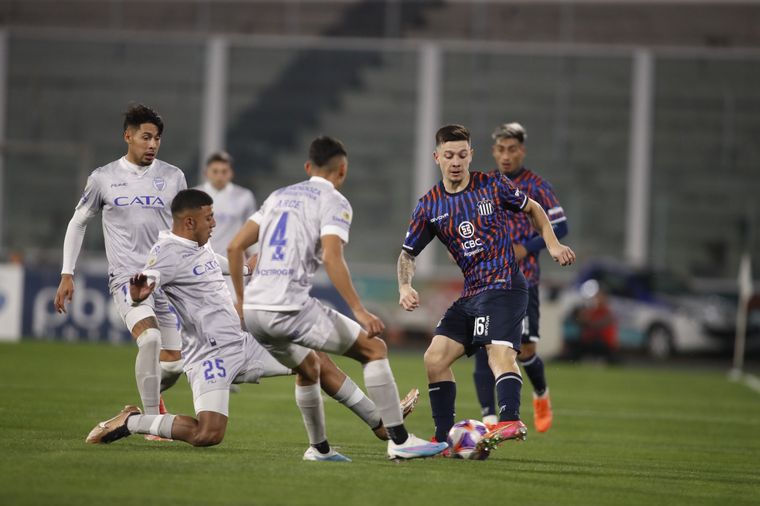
column 466, row 229
column 485, row 207
column 159, row 183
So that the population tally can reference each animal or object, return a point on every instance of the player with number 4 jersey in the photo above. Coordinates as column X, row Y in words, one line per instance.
column 301, row 227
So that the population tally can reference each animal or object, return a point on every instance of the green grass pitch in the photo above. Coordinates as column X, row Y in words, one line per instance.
column 621, row 436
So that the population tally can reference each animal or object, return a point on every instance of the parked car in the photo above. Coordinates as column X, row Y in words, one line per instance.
column 658, row 311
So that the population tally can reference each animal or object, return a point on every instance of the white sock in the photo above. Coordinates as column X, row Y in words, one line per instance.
column 170, row 373
column 381, row 387
column 158, row 425
column 148, row 370
column 352, row 397
column 309, row 401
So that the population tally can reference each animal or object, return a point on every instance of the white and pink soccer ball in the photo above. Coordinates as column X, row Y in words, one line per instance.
column 463, row 440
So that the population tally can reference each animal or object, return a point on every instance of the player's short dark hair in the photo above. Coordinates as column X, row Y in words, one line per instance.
column 451, row 133
column 512, row 130
column 219, row 156
column 325, row 148
column 137, row 114
column 190, row 199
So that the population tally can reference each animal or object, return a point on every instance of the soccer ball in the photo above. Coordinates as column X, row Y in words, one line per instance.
column 463, row 439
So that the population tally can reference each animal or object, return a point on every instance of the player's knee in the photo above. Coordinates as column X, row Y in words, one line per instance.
column 170, row 355
column 208, row 437
column 308, row 370
column 143, row 325
column 525, row 355
column 376, row 349
column 433, row 361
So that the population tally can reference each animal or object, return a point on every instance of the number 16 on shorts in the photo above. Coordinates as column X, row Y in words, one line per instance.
column 213, row 369
column 481, row 326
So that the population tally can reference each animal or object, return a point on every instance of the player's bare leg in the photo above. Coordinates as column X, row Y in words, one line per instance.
column 372, row 353
column 207, row 430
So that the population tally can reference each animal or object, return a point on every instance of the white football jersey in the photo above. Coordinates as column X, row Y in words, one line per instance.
column 191, row 277
column 232, row 206
column 136, row 205
column 292, row 221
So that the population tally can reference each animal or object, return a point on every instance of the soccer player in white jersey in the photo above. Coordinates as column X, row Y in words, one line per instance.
column 233, row 204
column 300, row 227
column 134, row 194
column 216, row 350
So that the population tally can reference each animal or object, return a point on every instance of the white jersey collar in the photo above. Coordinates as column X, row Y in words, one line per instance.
column 137, row 170
column 319, row 179
column 182, row 240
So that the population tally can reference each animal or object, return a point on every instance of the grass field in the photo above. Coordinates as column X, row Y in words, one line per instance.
column 621, row 436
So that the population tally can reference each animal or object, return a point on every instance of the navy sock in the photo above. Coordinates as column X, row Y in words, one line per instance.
column 398, row 433
column 508, row 387
column 442, row 397
column 534, row 368
column 323, row 447
column 484, row 383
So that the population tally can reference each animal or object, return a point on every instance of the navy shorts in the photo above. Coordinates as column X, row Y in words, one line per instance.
column 490, row 316
column 530, row 330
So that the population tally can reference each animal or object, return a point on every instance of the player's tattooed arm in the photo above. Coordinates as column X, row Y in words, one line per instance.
column 409, row 299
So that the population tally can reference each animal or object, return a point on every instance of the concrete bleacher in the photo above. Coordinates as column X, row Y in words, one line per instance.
column 705, row 159
column 576, row 109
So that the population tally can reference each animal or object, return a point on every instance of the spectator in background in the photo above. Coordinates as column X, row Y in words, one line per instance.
column 597, row 326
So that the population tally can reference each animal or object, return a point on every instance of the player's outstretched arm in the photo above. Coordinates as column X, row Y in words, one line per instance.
column 337, row 270
column 559, row 252
column 246, row 237
column 409, row 299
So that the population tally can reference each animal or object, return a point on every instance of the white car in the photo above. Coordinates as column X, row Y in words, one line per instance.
column 657, row 311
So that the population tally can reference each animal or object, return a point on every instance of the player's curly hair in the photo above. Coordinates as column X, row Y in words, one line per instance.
column 137, row 114
column 450, row 133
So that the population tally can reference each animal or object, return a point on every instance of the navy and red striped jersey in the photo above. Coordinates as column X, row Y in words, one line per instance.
column 474, row 226
column 521, row 230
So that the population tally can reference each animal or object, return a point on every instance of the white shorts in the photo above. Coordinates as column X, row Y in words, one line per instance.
column 210, row 378
column 156, row 305
column 290, row 335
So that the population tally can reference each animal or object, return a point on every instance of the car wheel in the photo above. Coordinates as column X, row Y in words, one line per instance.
column 660, row 343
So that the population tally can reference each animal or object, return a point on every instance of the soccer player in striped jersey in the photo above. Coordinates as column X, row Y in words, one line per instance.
column 509, row 153
column 468, row 212
column 299, row 228
column 133, row 194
